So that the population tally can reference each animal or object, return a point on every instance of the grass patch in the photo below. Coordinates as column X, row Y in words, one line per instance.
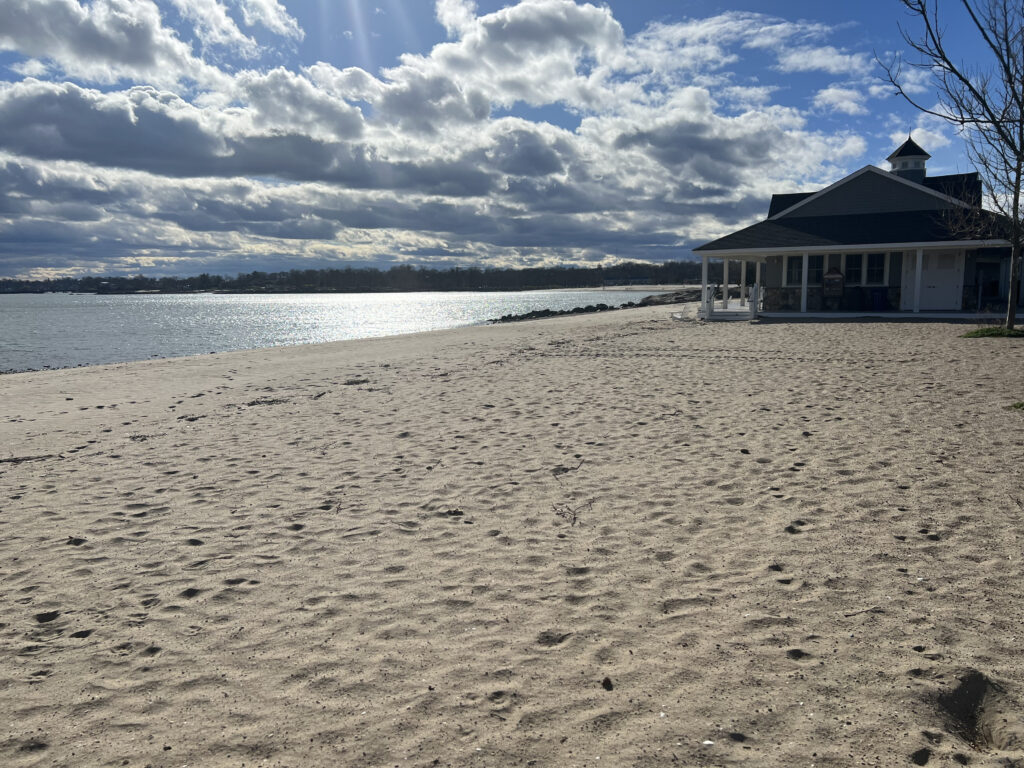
column 1017, row 406
column 992, row 330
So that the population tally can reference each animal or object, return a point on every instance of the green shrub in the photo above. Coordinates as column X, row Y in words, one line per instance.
column 992, row 330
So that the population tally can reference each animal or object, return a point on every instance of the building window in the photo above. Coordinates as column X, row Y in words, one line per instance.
column 794, row 270
column 854, row 268
column 876, row 268
column 815, row 266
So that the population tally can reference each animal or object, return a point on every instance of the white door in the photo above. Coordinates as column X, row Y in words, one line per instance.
column 942, row 280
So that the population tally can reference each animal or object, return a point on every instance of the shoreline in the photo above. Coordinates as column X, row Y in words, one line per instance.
column 614, row 536
column 476, row 318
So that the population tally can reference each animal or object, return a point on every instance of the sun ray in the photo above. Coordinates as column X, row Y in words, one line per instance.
column 360, row 34
column 396, row 10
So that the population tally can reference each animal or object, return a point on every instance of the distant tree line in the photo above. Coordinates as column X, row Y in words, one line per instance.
column 368, row 280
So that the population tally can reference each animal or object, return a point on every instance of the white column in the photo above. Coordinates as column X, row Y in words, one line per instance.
column 757, row 282
column 704, row 284
column 803, row 286
column 743, row 283
column 917, row 280
column 725, row 283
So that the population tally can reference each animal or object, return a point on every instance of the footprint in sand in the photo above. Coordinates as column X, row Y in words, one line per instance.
column 549, row 638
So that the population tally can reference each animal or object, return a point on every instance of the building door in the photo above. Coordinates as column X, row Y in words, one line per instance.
column 942, row 280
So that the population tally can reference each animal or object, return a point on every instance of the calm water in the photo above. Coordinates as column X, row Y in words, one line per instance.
column 57, row 330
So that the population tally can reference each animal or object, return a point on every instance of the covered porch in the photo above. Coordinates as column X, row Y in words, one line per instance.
column 890, row 279
column 747, row 306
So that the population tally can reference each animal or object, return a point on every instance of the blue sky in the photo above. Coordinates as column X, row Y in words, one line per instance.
column 187, row 136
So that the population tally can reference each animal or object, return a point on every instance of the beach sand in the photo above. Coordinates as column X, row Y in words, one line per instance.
column 604, row 540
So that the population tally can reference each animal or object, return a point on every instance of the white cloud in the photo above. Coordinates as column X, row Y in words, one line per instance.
column 272, row 15
column 836, row 98
column 104, row 41
column 664, row 142
column 31, row 68
column 214, row 27
column 282, row 102
column 929, row 132
column 456, row 16
column 825, row 59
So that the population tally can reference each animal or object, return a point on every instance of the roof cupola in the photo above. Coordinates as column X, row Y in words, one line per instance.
column 909, row 162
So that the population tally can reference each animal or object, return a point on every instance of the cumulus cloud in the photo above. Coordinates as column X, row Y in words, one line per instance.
column 835, row 98
column 214, row 27
column 121, row 141
column 272, row 15
column 103, row 41
column 456, row 16
column 927, row 131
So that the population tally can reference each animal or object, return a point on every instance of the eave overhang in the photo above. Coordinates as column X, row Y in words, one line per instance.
column 760, row 254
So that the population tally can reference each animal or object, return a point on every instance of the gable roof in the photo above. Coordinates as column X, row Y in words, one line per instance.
column 861, row 230
column 869, row 169
column 961, row 186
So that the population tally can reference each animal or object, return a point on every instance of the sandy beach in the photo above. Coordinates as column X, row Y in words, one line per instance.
column 603, row 540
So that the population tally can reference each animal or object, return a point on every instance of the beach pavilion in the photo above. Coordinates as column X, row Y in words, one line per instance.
column 874, row 242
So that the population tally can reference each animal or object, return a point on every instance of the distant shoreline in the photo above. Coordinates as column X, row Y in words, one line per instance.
column 227, row 292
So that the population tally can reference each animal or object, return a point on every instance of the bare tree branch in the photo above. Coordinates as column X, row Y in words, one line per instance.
column 984, row 102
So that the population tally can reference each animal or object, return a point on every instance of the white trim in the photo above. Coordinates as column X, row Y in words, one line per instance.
column 734, row 253
column 725, row 283
column 858, row 174
column 704, row 282
column 803, row 284
column 917, row 279
column 755, row 255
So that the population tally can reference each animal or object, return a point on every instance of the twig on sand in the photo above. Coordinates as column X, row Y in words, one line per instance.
column 20, row 459
column 571, row 514
column 872, row 609
column 563, row 470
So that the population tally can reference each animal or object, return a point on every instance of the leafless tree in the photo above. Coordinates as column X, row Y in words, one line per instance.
column 984, row 100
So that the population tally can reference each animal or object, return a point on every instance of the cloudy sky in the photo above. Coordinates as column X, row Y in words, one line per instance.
column 221, row 136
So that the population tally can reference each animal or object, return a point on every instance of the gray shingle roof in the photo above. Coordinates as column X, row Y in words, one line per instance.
column 781, row 202
column 832, row 231
column 962, row 186
column 908, row 149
